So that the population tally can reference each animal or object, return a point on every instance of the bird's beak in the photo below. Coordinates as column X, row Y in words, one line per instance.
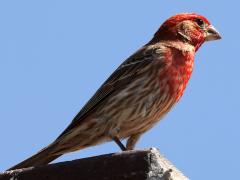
column 212, row 34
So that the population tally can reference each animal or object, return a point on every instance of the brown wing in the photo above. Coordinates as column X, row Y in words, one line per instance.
column 122, row 76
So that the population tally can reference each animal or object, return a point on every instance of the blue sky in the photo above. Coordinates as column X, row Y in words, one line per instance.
column 55, row 54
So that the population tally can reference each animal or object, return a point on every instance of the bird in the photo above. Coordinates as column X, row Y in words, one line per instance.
column 138, row 93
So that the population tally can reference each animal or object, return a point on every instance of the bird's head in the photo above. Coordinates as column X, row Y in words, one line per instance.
column 187, row 27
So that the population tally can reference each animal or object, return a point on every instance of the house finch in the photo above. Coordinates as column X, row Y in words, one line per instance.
column 138, row 93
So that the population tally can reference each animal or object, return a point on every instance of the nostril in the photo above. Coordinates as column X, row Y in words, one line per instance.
column 211, row 31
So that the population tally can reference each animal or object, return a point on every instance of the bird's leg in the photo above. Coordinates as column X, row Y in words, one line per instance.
column 114, row 134
column 132, row 140
column 119, row 143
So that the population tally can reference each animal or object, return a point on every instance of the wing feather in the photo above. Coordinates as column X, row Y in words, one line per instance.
column 123, row 75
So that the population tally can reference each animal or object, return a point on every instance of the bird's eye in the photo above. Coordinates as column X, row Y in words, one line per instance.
column 200, row 23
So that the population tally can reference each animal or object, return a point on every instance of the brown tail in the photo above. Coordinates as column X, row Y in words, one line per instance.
column 42, row 157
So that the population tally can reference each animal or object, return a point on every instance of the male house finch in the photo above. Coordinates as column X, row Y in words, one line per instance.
column 138, row 93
